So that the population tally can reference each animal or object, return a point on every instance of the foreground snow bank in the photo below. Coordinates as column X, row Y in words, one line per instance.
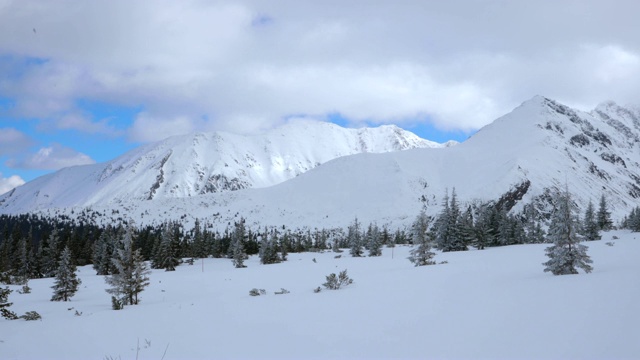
column 495, row 303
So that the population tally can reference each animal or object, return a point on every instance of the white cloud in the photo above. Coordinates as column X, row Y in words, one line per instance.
column 247, row 64
column 53, row 157
column 7, row 184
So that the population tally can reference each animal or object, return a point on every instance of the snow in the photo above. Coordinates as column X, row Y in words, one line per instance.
column 534, row 143
column 495, row 303
column 194, row 164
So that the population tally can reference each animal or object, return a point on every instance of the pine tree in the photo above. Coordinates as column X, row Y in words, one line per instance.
column 131, row 272
column 591, row 229
column 166, row 254
column 374, row 241
column 421, row 253
column 269, row 248
column 103, row 250
column 67, row 282
column 604, row 216
column 238, row 236
column 199, row 246
column 566, row 253
column 448, row 231
column 354, row 236
column 50, row 254
column 5, row 304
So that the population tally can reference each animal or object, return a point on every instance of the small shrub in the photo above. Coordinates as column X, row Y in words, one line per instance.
column 337, row 256
column 31, row 316
column 25, row 289
column 78, row 313
column 609, row 243
column 116, row 304
column 257, row 292
column 443, row 262
column 317, row 290
column 282, row 291
column 614, row 237
column 336, row 282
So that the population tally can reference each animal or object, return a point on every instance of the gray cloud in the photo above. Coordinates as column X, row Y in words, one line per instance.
column 13, row 141
column 244, row 66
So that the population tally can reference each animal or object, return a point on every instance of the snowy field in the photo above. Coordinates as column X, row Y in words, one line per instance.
column 495, row 303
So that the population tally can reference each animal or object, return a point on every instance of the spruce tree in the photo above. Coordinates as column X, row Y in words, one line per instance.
column 374, row 240
column 5, row 304
column 131, row 274
column 355, row 239
column 566, row 254
column 604, row 216
column 67, row 282
column 166, row 254
column 50, row 254
column 238, row 237
column 591, row 228
column 421, row 253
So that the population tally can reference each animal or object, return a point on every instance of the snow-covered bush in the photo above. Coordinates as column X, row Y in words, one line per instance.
column 282, row 291
column 31, row 316
column 336, row 282
column 257, row 292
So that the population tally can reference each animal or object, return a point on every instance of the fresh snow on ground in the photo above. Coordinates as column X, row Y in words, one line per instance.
column 495, row 303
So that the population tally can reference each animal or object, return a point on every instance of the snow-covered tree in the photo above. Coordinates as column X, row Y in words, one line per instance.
column 566, row 254
column 66, row 282
column 238, row 254
column 103, row 252
column 198, row 245
column 590, row 225
column 268, row 252
column 449, row 236
column 5, row 304
column 132, row 273
column 166, row 253
column 355, row 239
column 50, row 254
column 374, row 240
column 421, row 253
column 604, row 216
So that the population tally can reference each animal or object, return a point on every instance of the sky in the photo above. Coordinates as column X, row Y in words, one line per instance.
column 85, row 81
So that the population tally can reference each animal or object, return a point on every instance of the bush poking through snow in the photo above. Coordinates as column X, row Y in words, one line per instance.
column 257, row 292
column 317, row 290
column 282, row 291
column 25, row 289
column 609, row 243
column 31, row 316
column 116, row 304
column 336, row 282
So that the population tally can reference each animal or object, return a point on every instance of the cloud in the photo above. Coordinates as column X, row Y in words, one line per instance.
column 7, row 184
column 148, row 128
column 53, row 157
column 246, row 65
column 13, row 141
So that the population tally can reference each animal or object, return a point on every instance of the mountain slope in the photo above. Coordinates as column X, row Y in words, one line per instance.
column 206, row 163
column 522, row 157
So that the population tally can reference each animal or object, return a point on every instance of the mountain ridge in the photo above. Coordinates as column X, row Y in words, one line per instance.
column 200, row 163
column 521, row 158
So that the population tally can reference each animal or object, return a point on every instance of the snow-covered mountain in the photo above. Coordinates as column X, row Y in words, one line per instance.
column 521, row 157
column 204, row 163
